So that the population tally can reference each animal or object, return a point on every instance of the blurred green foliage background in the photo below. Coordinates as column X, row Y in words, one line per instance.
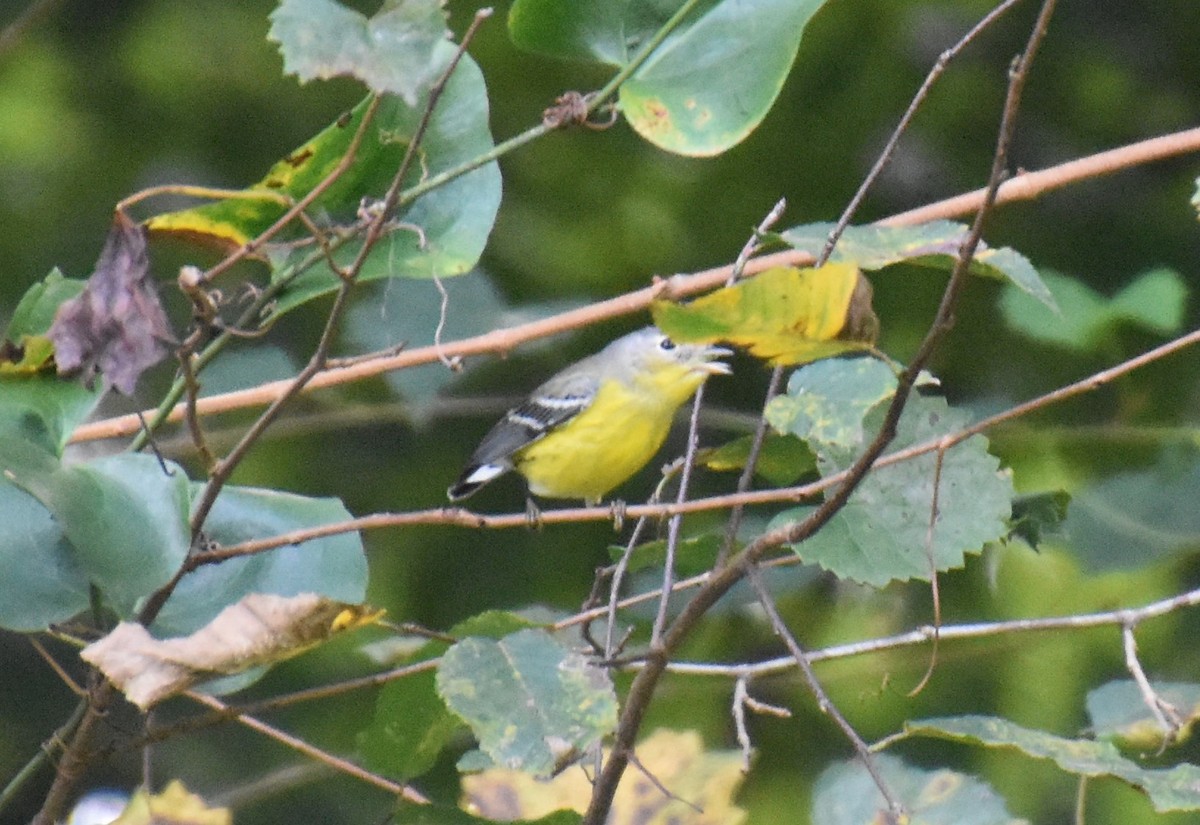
column 101, row 99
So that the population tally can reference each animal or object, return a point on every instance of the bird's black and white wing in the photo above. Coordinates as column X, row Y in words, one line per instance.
column 551, row 405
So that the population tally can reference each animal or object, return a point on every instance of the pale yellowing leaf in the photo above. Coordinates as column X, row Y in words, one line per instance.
column 784, row 315
column 707, row 780
column 258, row 630
column 175, row 805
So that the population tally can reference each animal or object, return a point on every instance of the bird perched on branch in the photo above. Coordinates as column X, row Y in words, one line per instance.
column 595, row 423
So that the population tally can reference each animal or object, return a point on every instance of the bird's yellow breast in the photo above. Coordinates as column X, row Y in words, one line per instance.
column 612, row 439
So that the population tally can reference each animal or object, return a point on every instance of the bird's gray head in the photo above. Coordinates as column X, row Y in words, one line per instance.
column 650, row 346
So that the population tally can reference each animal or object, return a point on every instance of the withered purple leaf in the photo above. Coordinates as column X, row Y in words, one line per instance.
column 116, row 326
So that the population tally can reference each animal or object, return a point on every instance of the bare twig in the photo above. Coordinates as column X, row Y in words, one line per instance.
column 676, row 521
column 933, row 571
column 324, row 757
column 824, row 703
column 885, row 155
column 1164, row 713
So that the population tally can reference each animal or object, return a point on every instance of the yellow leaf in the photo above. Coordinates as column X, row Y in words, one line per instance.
column 174, row 805
column 702, row 785
column 260, row 629
column 28, row 356
column 785, row 315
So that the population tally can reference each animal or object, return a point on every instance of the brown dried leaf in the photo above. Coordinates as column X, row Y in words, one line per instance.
column 116, row 326
column 260, row 629
column 703, row 784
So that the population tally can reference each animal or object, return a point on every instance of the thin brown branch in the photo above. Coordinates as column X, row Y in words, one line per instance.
column 454, row 516
column 316, row 754
column 1025, row 186
column 824, row 703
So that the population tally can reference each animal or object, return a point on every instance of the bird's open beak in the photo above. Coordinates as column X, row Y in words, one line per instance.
column 712, row 366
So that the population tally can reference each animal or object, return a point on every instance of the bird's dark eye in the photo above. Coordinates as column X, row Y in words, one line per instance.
column 666, row 344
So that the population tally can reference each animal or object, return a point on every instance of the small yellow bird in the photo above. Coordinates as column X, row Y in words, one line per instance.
column 595, row 423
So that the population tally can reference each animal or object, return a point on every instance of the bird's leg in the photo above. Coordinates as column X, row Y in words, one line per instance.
column 533, row 515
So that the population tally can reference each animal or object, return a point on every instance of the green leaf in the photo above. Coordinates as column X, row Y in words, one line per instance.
column 596, row 30
column 439, row 234
column 412, row 724
column 410, row 728
column 782, row 460
column 692, row 555
column 1133, row 518
column 1119, row 713
column 533, row 704
column 453, row 220
column 707, row 85
column 491, row 624
column 1154, row 301
column 333, row 566
column 883, row 531
column 826, row 401
column 711, row 82
column 1174, row 789
column 846, row 794
column 35, row 312
column 934, row 244
column 1037, row 515
column 43, row 582
column 125, row 515
column 393, row 51
column 43, row 409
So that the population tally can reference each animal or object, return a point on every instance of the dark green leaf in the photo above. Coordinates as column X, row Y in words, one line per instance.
column 933, row 244
column 782, row 460
column 883, row 531
column 393, row 51
column 43, row 409
column 845, row 794
column 533, row 704
column 35, row 312
column 1038, row 515
column 410, row 728
column 333, row 566
column 491, row 624
column 692, row 555
column 595, row 30
column 1174, row 789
